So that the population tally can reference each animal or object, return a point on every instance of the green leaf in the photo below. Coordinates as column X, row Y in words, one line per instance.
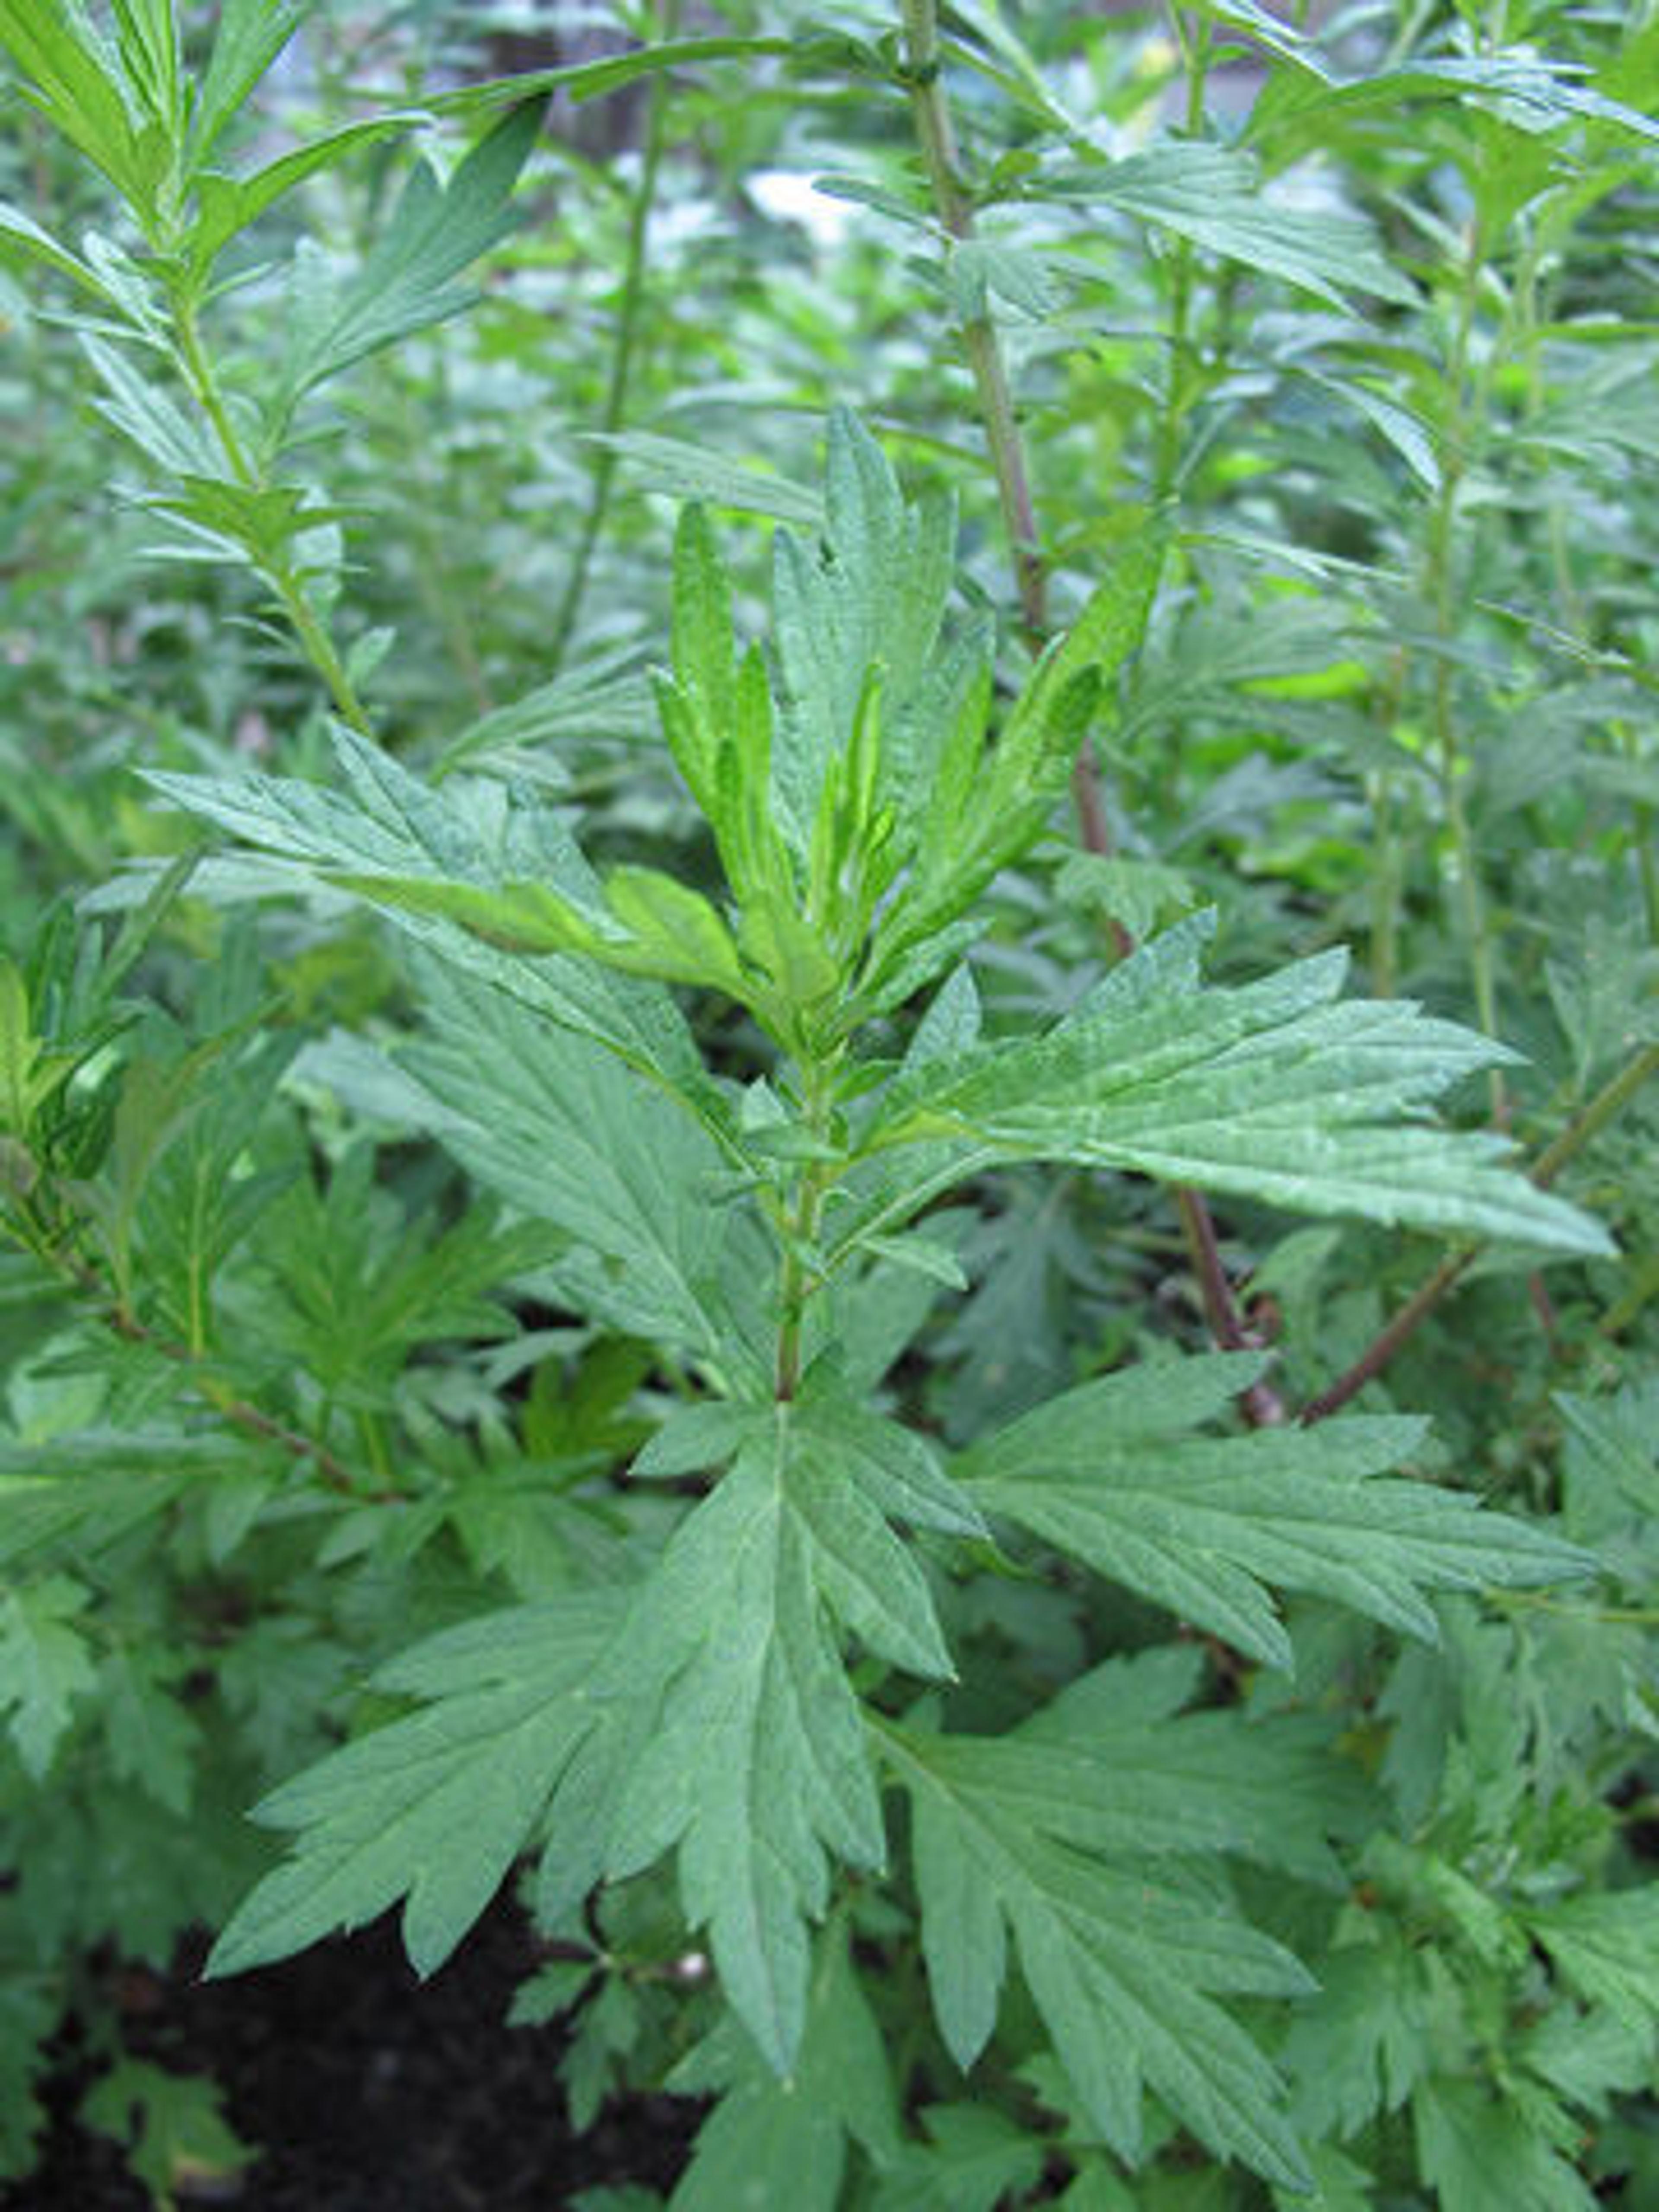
column 172, row 2129
column 1112, row 1474
column 434, row 1809
column 591, row 79
column 226, row 205
column 409, row 279
column 900, row 1470
column 717, row 717
column 254, row 522
column 20, row 235
column 85, row 1491
column 1139, row 894
column 675, row 932
column 1017, row 70
column 605, row 697
column 1605, row 1943
column 152, row 1739
column 1265, row 30
column 1482, row 2157
column 174, row 441
column 1524, row 88
column 975, row 2159
column 770, row 2140
column 872, row 595
column 973, row 811
column 1272, row 1090
column 386, row 829
column 1145, row 1777
column 29, row 1073
column 978, row 269
column 1124, row 1967
column 558, row 1126
column 1214, row 197
column 71, row 75
column 251, row 33
column 148, row 42
column 1339, row 2185
column 45, row 1665
column 754, row 1766
column 1360, row 2045
column 679, row 469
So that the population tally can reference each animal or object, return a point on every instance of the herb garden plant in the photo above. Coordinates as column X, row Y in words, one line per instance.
column 610, row 1278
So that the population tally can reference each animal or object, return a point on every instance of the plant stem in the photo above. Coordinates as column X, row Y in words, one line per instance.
column 119, row 1318
column 1261, row 1405
column 1458, row 425
column 1196, row 47
column 797, row 1277
column 1381, row 1349
column 1387, row 869
column 988, row 367
column 306, row 625
column 629, row 316
column 936, row 135
column 1610, row 1100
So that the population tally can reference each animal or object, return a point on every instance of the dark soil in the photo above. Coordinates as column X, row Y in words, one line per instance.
column 364, row 2089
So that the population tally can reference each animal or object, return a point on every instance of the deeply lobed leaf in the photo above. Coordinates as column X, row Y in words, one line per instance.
column 1112, row 1474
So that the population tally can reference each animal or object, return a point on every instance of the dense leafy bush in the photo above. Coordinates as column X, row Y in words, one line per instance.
column 609, row 1275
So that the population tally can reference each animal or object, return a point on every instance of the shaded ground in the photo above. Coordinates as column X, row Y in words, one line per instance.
column 366, row 2090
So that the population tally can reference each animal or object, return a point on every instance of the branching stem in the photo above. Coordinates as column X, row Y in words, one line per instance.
column 1614, row 1096
column 936, row 136
column 303, row 619
column 117, row 1317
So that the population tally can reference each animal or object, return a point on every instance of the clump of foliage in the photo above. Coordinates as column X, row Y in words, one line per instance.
column 610, row 1275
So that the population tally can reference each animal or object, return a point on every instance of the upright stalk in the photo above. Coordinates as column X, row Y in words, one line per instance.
column 619, row 384
column 307, row 626
column 797, row 1277
column 1195, row 45
column 953, row 201
column 1459, row 424
column 936, row 134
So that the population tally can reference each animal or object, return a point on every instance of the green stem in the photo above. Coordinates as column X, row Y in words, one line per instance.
column 628, row 319
column 1181, row 379
column 936, row 135
column 798, row 1276
column 988, row 365
column 117, row 1317
column 306, row 625
column 1612, row 1098
column 1459, row 422
column 1385, row 888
